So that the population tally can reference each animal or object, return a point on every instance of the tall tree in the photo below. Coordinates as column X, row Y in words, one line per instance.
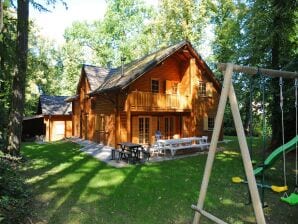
column 1, row 15
column 7, row 65
column 228, row 18
column 272, row 42
column 178, row 20
column 19, row 79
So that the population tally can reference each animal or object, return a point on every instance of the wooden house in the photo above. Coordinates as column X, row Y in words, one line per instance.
column 171, row 90
column 53, row 120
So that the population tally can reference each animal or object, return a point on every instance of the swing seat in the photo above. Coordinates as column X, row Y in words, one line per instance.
column 279, row 188
column 237, row 180
column 291, row 200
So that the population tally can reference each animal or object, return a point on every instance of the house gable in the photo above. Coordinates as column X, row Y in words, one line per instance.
column 136, row 69
column 92, row 75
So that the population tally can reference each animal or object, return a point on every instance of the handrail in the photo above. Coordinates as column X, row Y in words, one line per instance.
column 141, row 99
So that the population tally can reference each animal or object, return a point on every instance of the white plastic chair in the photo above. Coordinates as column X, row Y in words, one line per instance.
column 204, row 142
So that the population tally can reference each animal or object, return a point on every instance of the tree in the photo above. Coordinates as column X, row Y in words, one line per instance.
column 228, row 18
column 272, row 42
column 19, row 79
column 7, row 65
column 258, row 33
column 1, row 15
column 178, row 20
column 44, row 72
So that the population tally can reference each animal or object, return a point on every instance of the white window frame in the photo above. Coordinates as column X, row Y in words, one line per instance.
column 211, row 119
column 202, row 88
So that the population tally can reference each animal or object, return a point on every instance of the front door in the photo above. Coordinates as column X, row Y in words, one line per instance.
column 144, row 130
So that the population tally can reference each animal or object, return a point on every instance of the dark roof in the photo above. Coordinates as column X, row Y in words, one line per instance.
column 71, row 98
column 54, row 105
column 95, row 75
column 114, row 79
column 32, row 117
column 137, row 68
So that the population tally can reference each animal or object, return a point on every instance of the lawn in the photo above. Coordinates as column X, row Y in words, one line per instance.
column 71, row 187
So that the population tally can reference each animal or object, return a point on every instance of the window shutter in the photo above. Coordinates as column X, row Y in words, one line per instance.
column 209, row 89
column 205, row 123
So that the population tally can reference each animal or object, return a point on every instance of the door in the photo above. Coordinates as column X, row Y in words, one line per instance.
column 100, row 128
column 144, row 130
column 169, row 127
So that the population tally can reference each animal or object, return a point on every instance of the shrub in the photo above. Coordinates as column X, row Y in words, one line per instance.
column 14, row 195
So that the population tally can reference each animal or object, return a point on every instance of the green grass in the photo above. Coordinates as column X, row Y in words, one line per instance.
column 71, row 187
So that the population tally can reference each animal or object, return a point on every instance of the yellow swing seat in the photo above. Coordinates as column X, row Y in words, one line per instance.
column 291, row 200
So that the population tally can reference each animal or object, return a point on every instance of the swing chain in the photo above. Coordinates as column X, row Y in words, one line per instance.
column 281, row 93
column 296, row 86
column 296, row 154
column 282, row 128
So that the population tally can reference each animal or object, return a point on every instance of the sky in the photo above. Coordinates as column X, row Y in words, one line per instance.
column 52, row 24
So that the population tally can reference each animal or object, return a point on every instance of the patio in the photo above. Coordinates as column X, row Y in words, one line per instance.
column 104, row 153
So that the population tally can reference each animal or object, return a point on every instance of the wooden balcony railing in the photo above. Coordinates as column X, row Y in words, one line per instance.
column 149, row 101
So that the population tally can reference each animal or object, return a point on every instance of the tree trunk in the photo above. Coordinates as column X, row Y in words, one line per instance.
column 19, row 81
column 1, row 15
column 247, row 121
column 275, row 107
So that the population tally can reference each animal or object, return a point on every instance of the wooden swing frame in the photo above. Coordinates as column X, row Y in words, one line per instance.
column 229, row 92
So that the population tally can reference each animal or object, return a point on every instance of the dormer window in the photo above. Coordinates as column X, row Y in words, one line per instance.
column 154, row 85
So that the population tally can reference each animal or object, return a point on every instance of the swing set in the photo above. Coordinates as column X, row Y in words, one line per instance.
column 229, row 92
column 282, row 150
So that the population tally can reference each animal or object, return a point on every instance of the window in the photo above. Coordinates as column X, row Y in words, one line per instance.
column 144, row 130
column 169, row 127
column 202, row 88
column 210, row 123
column 154, row 86
column 175, row 87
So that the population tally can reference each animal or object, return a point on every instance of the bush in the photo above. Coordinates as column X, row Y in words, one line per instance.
column 15, row 197
column 229, row 131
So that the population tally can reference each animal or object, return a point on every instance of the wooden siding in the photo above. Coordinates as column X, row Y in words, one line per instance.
column 76, row 118
column 168, row 70
column 104, row 105
column 120, row 111
column 58, row 127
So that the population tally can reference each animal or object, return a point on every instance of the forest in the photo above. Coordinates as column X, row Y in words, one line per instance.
column 262, row 33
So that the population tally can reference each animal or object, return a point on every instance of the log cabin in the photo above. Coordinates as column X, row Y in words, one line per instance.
column 172, row 91
column 53, row 119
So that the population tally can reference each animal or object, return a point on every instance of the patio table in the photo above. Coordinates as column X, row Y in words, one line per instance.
column 133, row 149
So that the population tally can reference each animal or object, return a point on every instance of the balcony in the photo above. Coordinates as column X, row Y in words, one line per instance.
column 148, row 101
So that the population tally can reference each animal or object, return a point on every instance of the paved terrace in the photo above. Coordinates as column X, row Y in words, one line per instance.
column 104, row 153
